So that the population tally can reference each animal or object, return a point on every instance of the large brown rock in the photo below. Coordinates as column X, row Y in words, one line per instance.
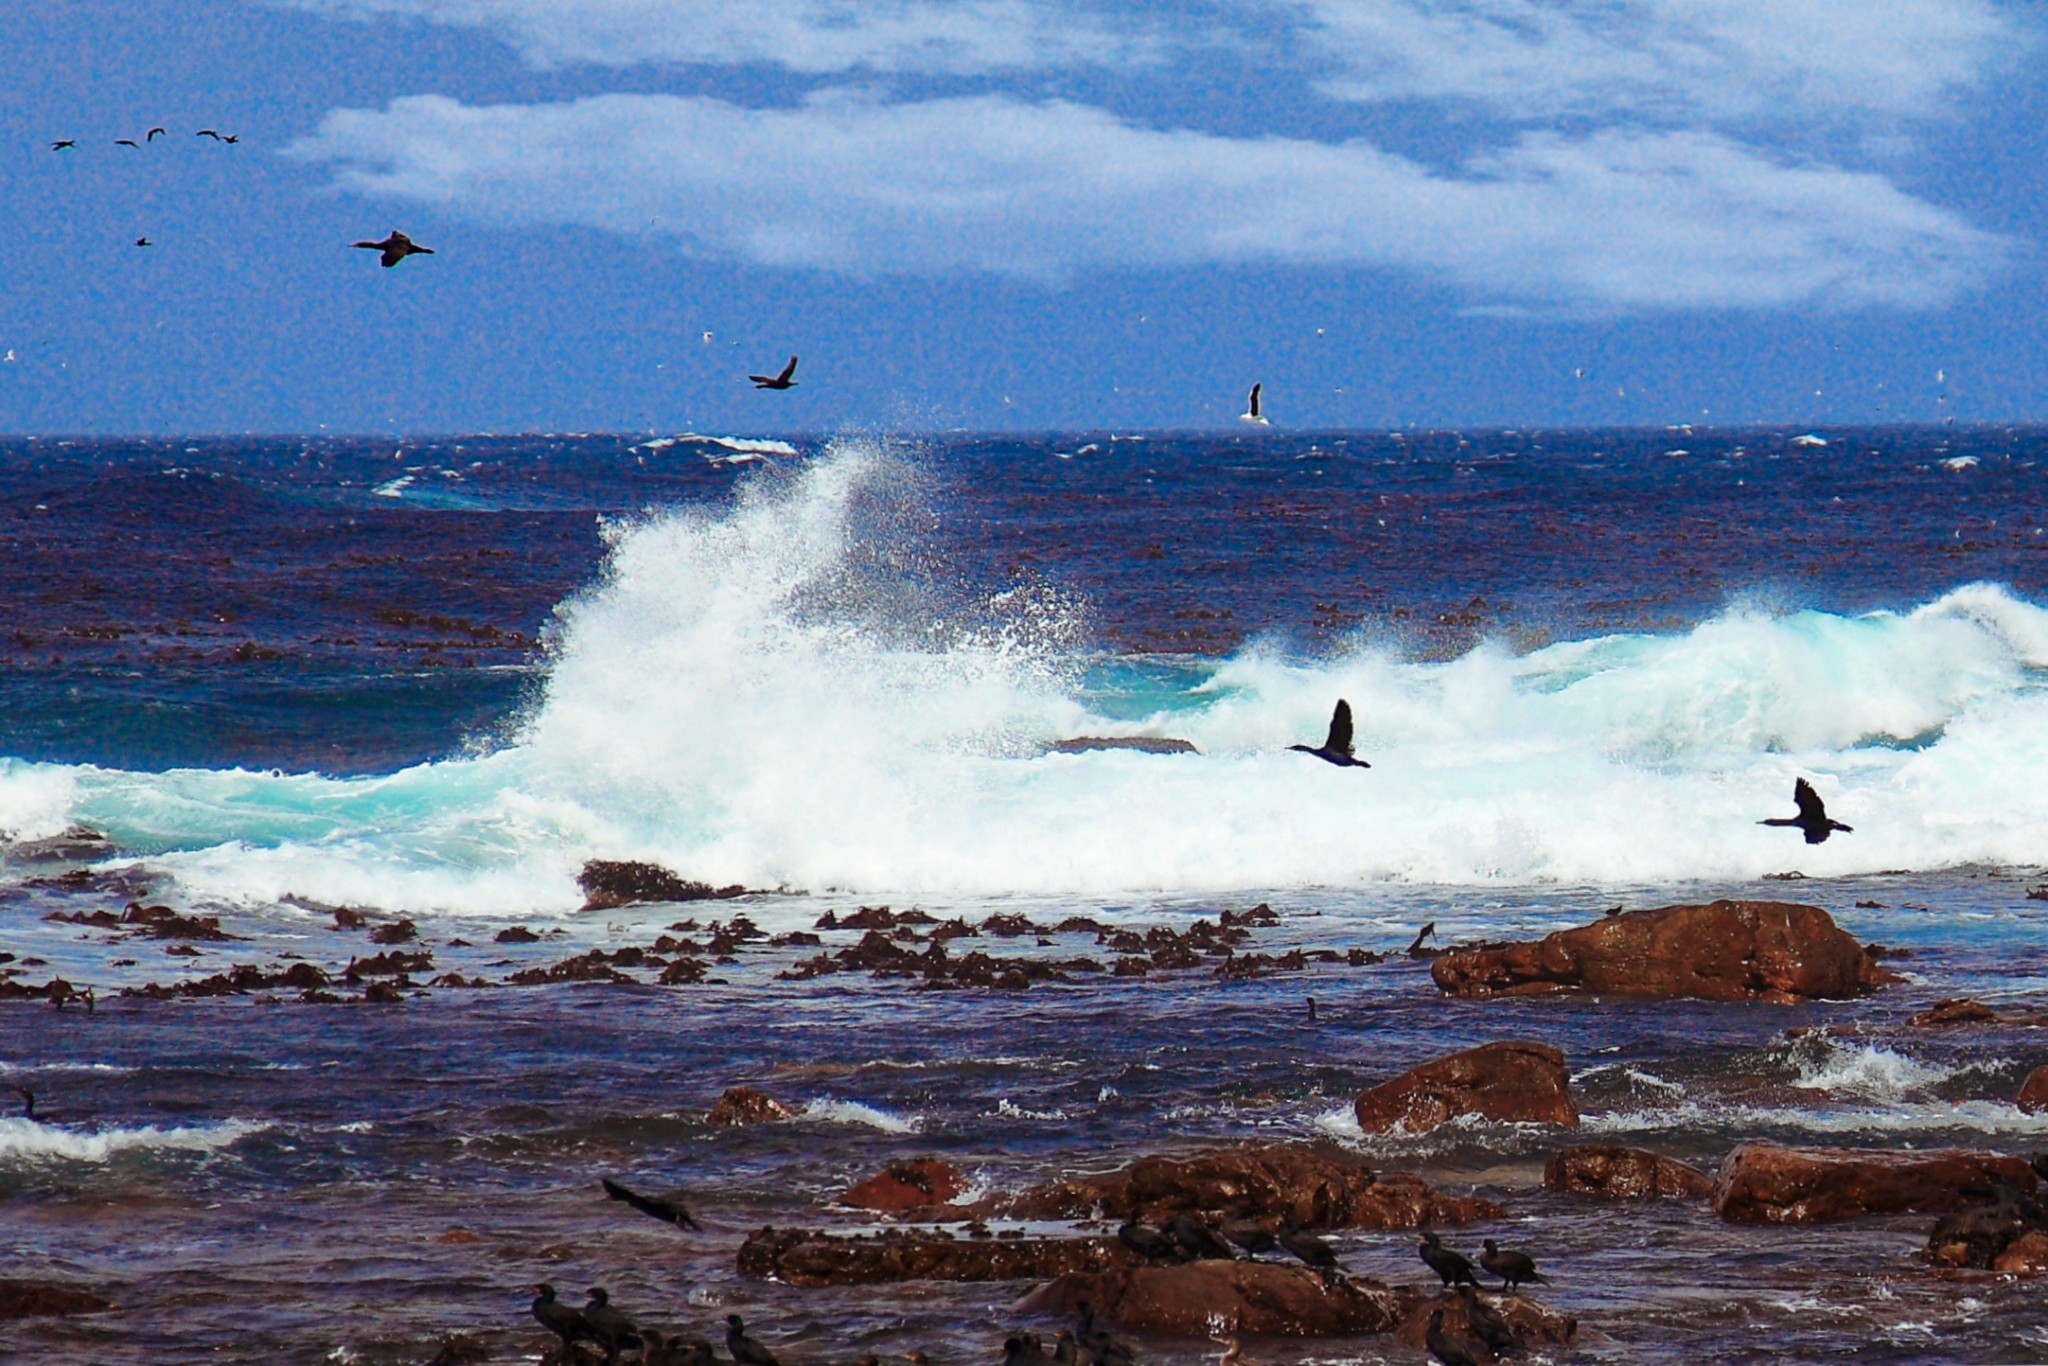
column 2033, row 1096
column 1514, row 1081
column 745, row 1105
column 1726, row 951
column 1531, row 1321
column 1615, row 1173
column 811, row 1257
column 1953, row 1010
column 1268, row 1299
column 916, row 1184
column 34, row 1299
column 1313, row 1185
column 1764, row 1183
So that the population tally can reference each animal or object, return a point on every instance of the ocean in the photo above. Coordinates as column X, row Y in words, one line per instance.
column 257, row 680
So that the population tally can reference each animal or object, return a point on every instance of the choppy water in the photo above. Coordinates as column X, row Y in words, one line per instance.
column 433, row 682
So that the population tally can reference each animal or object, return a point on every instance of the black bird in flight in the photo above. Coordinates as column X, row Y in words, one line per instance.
column 64, row 145
column 153, row 135
column 232, row 138
column 669, row 1211
column 396, row 248
column 207, row 133
column 1812, row 820
column 144, row 242
column 126, row 142
column 781, row 381
column 1336, row 747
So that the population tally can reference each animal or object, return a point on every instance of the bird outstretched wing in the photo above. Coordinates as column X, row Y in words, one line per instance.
column 1808, row 801
column 787, row 371
column 1339, row 741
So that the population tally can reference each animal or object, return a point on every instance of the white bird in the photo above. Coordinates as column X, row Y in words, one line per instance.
column 1252, row 413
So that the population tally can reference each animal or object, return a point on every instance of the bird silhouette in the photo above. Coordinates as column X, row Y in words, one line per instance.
column 153, row 135
column 1512, row 1267
column 1336, row 747
column 1251, row 413
column 64, row 144
column 126, row 142
column 781, row 381
column 207, row 133
column 232, row 138
column 144, row 242
column 669, row 1211
column 1445, row 1348
column 1812, row 820
column 744, row 1349
column 395, row 248
column 1450, row 1267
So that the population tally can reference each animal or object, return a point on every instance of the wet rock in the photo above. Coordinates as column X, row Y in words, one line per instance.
column 2009, row 1232
column 1953, row 1011
column 382, row 993
column 515, row 934
column 1533, row 1323
column 460, row 1349
column 1765, row 1183
column 745, row 1105
column 1727, row 951
column 913, row 1184
column 73, row 844
column 1313, row 1185
column 37, row 1299
column 683, row 972
column 398, row 932
column 1616, row 1173
column 584, row 967
column 386, row 965
column 1269, row 1299
column 346, row 918
column 607, row 883
column 1144, row 744
column 1512, row 1082
column 2033, row 1097
column 810, row 1257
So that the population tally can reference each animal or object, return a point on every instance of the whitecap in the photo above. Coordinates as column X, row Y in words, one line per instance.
column 827, row 1111
column 27, row 1140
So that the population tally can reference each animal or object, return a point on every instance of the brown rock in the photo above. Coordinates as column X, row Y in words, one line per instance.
column 2033, row 1097
column 1980, row 1236
column 920, row 1182
column 1531, row 1321
column 2026, row 1255
column 1954, row 1011
column 1262, row 1298
column 1514, row 1081
column 607, row 883
column 1313, row 1185
column 1764, row 1183
column 1726, row 951
column 810, row 1257
column 745, row 1105
column 1615, row 1173
column 35, row 1299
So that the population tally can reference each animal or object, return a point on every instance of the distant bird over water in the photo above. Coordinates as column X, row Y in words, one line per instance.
column 1812, row 820
column 781, row 381
column 396, row 248
column 1336, row 747
column 1251, row 413
column 668, row 1210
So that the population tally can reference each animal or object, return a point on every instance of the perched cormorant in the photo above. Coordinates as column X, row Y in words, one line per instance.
column 1312, row 1251
column 1099, row 1346
column 395, row 248
column 1512, row 1267
column 744, row 1349
column 1812, row 820
column 1336, row 747
column 781, row 381
column 1197, row 1239
column 564, row 1321
column 1311, row 1010
column 609, row 1326
column 1251, row 413
column 1147, row 1241
column 1017, row 1352
column 1254, row 1238
column 1445, row 1348
column 1064, row 1352
column 1488, row 1324
column 1450, row 1267
column 668, row 1210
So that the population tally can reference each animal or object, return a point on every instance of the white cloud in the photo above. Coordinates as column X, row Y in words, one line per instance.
column 1719, row 60
column 813, row 36
column 1616, row 220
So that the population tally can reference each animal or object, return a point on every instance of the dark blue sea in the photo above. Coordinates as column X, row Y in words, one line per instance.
column 424, row 682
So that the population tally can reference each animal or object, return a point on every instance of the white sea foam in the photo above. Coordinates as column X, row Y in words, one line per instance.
column 828, row 1111
column 1865, row 1070
column 26, row 1140
column 1009, row 1109
column 786, row 692
column 393, row 488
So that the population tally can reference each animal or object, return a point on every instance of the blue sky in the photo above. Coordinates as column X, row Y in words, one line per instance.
column 1021, row 213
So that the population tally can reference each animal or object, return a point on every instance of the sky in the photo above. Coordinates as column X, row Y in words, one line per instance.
column 1020, row 214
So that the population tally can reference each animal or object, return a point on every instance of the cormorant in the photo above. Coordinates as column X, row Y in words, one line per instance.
column 1311, row 1010
column 564, row 1321
column 609, row 1326
column 1812, row 820
column 1147, row 1241
column 1197, row 1239
column 1450, row 1267
column 1336, row 747
column 781, row 381
column 395, row 248
column 64, row 144
column 1312, row 1251
column 744, row 1349
column 1253, row 1237
column 153, row 134
column 207, row 133
column 1415, row 949
column 127, row 142
column 1512, row 1267
column 668, row 1210
column 1445, row 1348
column 1488, row 1324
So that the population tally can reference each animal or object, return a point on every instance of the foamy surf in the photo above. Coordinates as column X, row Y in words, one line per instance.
column 825, row 1110
column 24, row 1141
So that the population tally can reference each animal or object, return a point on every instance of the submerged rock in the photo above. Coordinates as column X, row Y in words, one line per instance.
column 745, row 1105
column 1725, row 951
column 1954, row 1011
column 1513, row 1082
column 1264, row 1298
column 1765, row 1183
column 1616, row 1173
column 811, row 1257
column 2008, row 1233
column 914, row 1184
column 2033, row 1096
column 36, row 1299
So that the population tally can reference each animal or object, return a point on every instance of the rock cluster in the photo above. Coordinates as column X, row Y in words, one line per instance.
column 1615, row 1173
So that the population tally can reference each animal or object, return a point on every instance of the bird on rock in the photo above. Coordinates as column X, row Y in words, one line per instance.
column 1488, row 1324
column 564, row 1321
column 1147, row 1241
column 1450, row 1267
column 609, row 1325
column 1512, row 1267
column 1197, row 1239
column 1311, row 1250
column 744, row 1349
column 1253, row 1237
column 1445, row 1348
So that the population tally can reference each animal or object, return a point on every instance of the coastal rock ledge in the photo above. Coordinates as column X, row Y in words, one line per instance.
column 1512, row 1082
column 1266, row 1299
column 1765, row 1183
column 1725, row 951
column 1607, row 1172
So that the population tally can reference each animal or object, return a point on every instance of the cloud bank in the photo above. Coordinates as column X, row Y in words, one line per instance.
column 1613, row 220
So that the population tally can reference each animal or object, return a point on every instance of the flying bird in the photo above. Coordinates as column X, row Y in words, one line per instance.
column 153, row 135
column 207, row 133
column 64, row 144
column 144, row 242
column 396, row 248
column 669, row 1211
column 126, row 142
column 232, row 138
column 1336, row 747
column 1251, row 413
column 1812, row 819
column 781, row 381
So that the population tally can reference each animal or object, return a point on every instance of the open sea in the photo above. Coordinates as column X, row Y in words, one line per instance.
column 258, row 680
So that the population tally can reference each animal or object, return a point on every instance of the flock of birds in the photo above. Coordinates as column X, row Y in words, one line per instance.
column 1812, row 821
column 1183, row 1238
